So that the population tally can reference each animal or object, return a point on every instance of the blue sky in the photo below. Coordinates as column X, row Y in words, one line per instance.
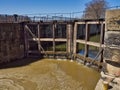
column 45, row 6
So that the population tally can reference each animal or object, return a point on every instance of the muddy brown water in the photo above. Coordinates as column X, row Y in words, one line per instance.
column 48, row 74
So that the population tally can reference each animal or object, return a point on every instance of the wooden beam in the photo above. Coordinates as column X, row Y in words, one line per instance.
column 49, row 39
column 26, row 42
column 53, row 29
column 47, row 52
column 86, row 40
column 27, row 28
column 60, row 40
column 39, row 45
column 92, row 22
column 41, row 39
column 69, row 37
column 74, row 39
column 51, row 52
column 101, row 41
column 95, row 44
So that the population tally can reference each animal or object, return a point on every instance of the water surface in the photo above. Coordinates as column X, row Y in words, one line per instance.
column 49, row 74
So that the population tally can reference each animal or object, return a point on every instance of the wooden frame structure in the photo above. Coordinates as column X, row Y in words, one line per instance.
column 88, row 43
column 41, row 35
column 37, row 38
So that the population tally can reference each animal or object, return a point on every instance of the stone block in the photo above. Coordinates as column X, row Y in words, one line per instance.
column 112, row 42
column 113, row 20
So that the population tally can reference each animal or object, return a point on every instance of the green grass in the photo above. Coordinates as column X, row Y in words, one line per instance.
column 95, row 38
column 62, row 47
column 80, row 46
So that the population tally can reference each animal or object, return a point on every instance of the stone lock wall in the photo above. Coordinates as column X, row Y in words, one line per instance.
column 112, row 42
column 11, row 44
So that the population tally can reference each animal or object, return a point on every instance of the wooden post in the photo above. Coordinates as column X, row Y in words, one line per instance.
column 54, row 27
column 38, row 26
column 101, row 40
column 8, row 51
column 86, row 39
column 74, row 38
column 39, row 43
column 25, row 42
column 69, row 39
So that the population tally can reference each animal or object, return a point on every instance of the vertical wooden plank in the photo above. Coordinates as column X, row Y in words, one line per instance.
column 38, row 27
column 25, row 42
column 101, row 40
column 23, row 37
column 54, row 27
column 74, row 38
column 86, row 39
column 69, row 39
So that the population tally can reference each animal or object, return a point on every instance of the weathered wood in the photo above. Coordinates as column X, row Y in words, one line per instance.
column 74, row 38
column 10, row 42
column 86, row 39
column 49, row 39
column 54, row 27
column 39, row 45
column 51, row 52
column 28, row 29
column 101, row 41
column 26, row 42
column 47, row 52
column 69, row 38
column 90, row 22
column 90, row 43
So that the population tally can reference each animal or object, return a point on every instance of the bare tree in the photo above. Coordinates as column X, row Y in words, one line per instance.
column 95, row 9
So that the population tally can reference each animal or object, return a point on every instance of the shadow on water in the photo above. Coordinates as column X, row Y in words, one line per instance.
column 19, row 62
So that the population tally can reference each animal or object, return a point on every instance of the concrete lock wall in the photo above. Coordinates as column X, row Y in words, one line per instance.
column 11, row 46
column 112, row 42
